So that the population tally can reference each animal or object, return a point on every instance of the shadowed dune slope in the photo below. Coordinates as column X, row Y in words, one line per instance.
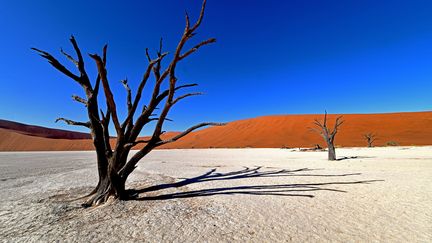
column 39, row 131
column 11, row 140
column 409, row 128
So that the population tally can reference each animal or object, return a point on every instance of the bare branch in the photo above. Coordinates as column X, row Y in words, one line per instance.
column 184, row 96
column 156, row 119
column 160, row 47
column 148, row 54
column 104, row 51
column 175, row 138
column 69, row 57
column 325, row 119
column 369, row 135
column 79, row 55
column 318, row 131
column 164, row 94
column 185, row 86
column 195, row 48
column 98, row 79
column 318, row 123
column 129, row 95
column 141, row 87
column 80, row 100
column 74, row 123
column 83, row 74
column 338, row 122
column 108, row 94
column 187, row 21
column 200, row 18
column 157, row 66
column 57, row 65
column 130, row 145
column 103, row 114
column 147, row 110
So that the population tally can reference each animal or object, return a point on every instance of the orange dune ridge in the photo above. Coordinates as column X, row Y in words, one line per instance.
column 407, row 128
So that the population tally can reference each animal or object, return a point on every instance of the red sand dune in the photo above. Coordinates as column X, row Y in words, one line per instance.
column 408, row 128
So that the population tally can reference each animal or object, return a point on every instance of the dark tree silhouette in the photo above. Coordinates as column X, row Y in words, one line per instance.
column 328, row 135
column 370, row 138
column 114, row 167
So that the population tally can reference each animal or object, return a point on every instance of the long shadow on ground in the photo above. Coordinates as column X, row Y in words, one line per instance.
column 297, row 190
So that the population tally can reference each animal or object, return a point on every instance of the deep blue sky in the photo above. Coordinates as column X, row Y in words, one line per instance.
column 271, row 57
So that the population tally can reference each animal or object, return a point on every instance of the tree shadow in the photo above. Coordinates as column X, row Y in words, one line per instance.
column 354, row 157
column 297, row 190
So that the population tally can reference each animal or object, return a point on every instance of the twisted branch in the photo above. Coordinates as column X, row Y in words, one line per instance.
column 189, row 130
column 74, row 123
column 80, row 100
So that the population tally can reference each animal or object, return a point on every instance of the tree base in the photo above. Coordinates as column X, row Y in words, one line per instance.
column 99, row 198
column 104, row 192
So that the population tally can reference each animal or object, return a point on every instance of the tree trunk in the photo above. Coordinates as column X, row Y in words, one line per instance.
column 110, row 185
column 331, row 152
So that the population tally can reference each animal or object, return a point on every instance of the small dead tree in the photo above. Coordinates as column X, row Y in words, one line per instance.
column 328, row 135
column 370, row 138
column 113, row 164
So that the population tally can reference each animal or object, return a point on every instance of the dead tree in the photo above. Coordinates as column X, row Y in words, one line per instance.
column 328, row 135
column 113, row 164
column 370, row 138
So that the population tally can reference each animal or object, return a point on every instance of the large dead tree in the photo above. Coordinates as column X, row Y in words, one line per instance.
column 113, row 163
column 328, row 135
column 370, row 138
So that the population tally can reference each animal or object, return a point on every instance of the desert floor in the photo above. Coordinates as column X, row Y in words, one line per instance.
column 253, row 195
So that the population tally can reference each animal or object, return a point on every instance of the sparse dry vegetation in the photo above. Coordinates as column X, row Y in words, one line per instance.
column 392, row 143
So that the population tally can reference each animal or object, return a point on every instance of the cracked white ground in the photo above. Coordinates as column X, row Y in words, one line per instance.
column 253, row 195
